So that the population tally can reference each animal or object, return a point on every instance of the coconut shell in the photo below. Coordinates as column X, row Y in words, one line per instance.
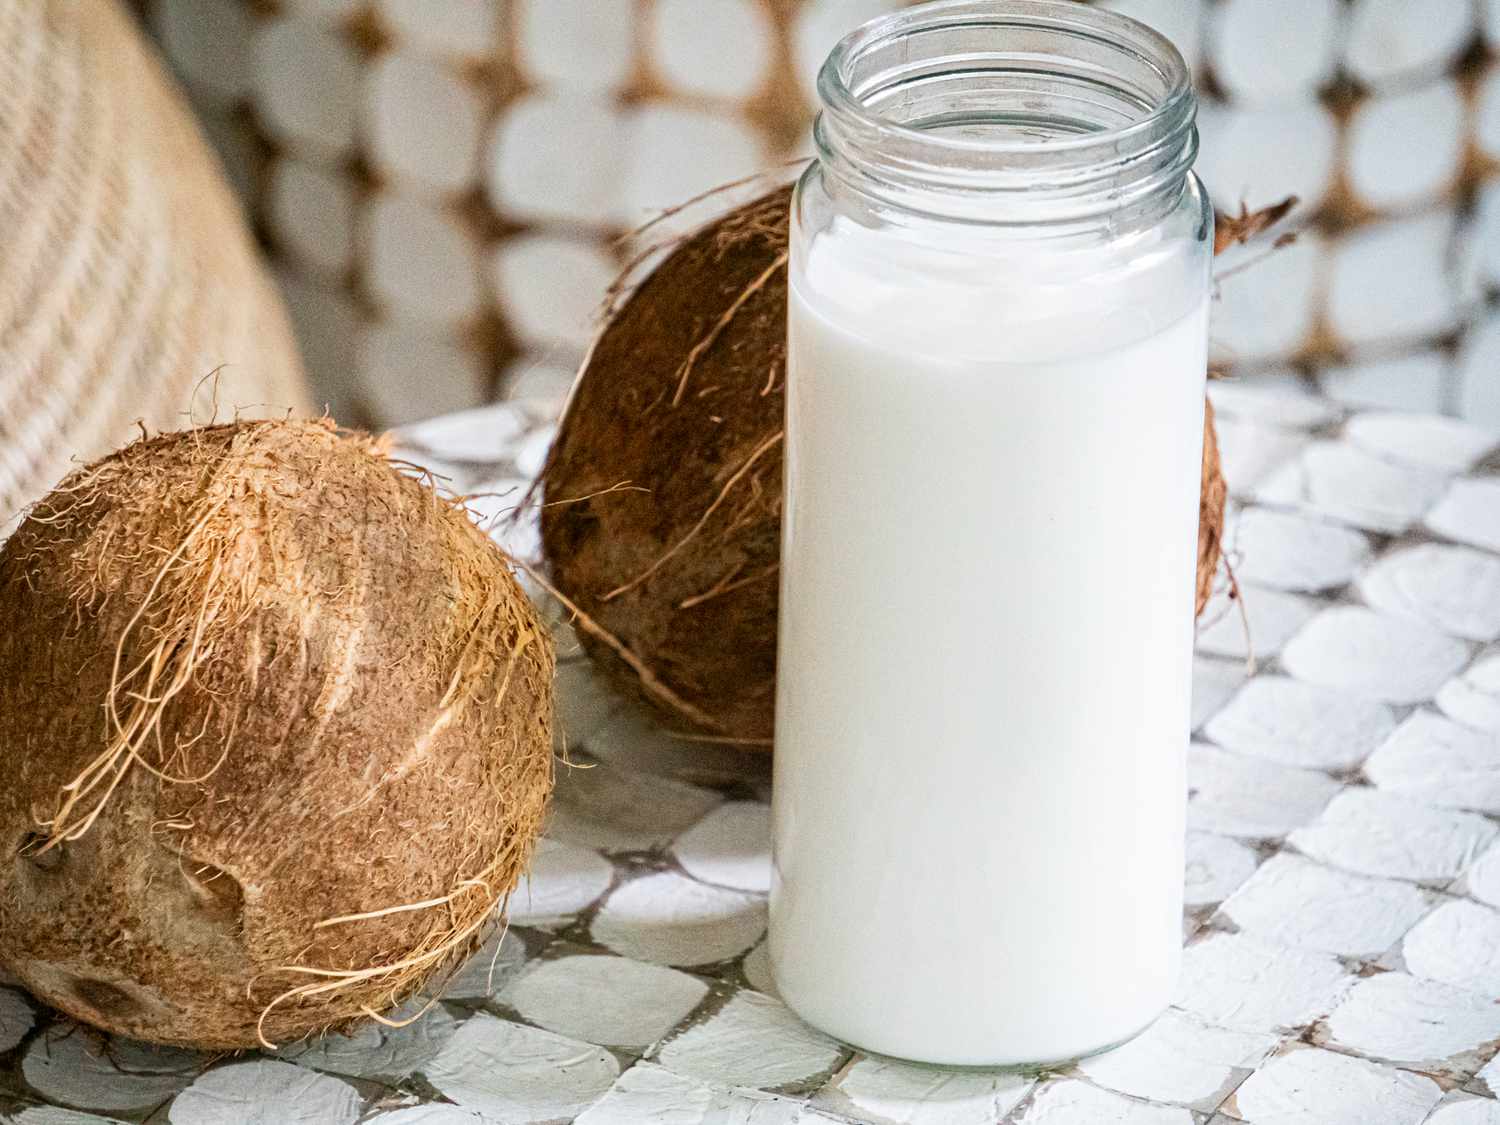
column 679, row 571
column 275, row 736
column 1211, row 502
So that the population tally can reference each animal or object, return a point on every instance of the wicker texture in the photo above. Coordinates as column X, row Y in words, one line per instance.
column 128, row 273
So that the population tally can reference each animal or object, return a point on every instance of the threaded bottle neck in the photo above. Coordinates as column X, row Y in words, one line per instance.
column 1008, row 112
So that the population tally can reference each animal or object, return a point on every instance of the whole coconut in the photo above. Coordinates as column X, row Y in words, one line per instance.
column 675, row 577
column 275, row 736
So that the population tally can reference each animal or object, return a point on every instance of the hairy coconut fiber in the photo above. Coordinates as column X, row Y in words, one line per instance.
column 275, row 736
column 675, row 578
column 127, row 272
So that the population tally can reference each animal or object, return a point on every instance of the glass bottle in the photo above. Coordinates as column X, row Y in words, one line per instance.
column 997, row 349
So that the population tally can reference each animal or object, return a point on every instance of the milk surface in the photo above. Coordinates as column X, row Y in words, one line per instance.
column 990, row 536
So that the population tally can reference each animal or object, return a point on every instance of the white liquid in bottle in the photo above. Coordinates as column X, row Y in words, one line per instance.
column 992, row 478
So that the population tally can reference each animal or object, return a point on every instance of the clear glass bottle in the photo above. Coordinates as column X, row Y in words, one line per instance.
column 997, row 338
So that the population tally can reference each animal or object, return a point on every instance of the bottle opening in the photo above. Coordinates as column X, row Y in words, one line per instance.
column 1060, row 109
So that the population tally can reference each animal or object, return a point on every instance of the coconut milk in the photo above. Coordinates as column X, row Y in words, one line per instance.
column 992, row 478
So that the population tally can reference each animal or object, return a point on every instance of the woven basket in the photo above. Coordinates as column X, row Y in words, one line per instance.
column 127, row 277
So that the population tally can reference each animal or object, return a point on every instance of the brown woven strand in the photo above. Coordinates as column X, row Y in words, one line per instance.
column 128, row 274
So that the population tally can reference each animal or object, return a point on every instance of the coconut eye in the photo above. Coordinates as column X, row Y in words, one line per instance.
column 106, row 998
column 217, row 892
column 34, row 851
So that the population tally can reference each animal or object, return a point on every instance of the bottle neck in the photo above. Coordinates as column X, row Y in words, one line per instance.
column 1008, row 113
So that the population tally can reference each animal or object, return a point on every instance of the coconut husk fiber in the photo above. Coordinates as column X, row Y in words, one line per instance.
column 674, row 579
column 128, row 273
column 275, row 736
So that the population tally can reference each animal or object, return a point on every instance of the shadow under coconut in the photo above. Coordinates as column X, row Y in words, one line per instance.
column 597, row 725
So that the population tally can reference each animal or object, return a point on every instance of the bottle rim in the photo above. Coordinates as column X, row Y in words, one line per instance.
column 1073, row 56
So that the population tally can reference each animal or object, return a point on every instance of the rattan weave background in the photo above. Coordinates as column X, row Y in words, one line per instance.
column 443, row 182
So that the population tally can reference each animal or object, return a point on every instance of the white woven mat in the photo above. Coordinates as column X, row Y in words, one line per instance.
column 1343, row 961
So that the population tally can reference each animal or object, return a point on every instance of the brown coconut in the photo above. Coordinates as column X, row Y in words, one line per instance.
column 674, row 578
column 274, row 736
